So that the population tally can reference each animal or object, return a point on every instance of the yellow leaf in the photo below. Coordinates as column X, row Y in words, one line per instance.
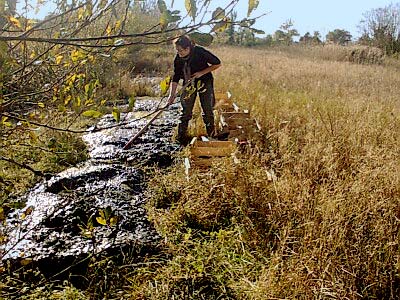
column 113, row 221
column 5, row 122
column 86, row 233
column 77, row 55
column 252, row 6
column 92, row 114
column 67, row 100
column 89, row 102
column 33, row 137
column 78, row 101
column 15, row 22
column 72, row 79
column 81, row 13
column 41, row 104
column 221, row 26
column 101, row 221
column 59, row 59
column 191, row 8
column 164, row 85
column 25, row 261
column 27, row 212
column 108, row 30
column 117, row 25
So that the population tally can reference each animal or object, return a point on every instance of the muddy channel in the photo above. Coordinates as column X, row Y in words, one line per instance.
column 97, row 206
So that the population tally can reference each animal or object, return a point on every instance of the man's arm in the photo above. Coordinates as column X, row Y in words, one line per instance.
column 205, row 71
column 172, row 92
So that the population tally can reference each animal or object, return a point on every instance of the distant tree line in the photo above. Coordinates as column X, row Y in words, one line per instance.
column 379, row 27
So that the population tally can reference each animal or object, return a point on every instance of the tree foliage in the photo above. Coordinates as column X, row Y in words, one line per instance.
column 309, row 39
column 380, row 27
column 339, row 36
column 285, row 33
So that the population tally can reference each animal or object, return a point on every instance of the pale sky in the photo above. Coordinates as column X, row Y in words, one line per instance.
column 307, row 15
column 310, row 15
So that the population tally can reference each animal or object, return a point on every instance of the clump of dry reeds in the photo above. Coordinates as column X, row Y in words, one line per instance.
column 358, row 54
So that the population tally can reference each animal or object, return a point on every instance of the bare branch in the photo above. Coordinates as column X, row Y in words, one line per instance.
column 24, row 166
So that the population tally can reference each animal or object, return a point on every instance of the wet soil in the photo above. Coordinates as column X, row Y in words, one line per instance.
column 97, row 206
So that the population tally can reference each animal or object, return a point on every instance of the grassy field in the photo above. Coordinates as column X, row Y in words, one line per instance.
column 326, row 228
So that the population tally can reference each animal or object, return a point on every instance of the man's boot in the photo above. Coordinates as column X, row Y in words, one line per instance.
column 210, row 130
column 182, row 137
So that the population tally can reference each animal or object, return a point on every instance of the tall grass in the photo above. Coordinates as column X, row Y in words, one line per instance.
column 327, row 227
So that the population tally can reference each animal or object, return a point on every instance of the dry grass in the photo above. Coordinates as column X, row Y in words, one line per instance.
column 327, row 227
column 331, row 52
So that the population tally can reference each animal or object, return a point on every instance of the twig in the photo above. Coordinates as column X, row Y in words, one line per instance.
column 24, row 166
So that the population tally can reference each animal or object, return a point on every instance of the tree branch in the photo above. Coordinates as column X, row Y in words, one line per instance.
column 24, row 166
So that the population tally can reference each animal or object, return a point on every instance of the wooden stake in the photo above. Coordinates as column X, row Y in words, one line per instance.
column 141, row 131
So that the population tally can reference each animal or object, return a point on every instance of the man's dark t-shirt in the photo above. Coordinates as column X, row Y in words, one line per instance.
column 198, row 60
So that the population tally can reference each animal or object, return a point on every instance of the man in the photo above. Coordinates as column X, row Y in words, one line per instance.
column 194, row 65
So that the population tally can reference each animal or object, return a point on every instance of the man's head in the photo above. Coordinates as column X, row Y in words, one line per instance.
column 183, row 46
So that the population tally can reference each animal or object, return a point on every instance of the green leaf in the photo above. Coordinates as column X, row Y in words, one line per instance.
column 116, row 114
column 132, row 101
column 89, row 89
column 191, row 8
column 101, row 221
column 92, row 114
column 247, row 22
column 3, row 48
column 252, row 6
column 161, row 5
column 168, row 17
column 218, row 14
column 107, row 212
column 102, row 4
column 164, row 19
column 203, row 39
column 258, row 31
